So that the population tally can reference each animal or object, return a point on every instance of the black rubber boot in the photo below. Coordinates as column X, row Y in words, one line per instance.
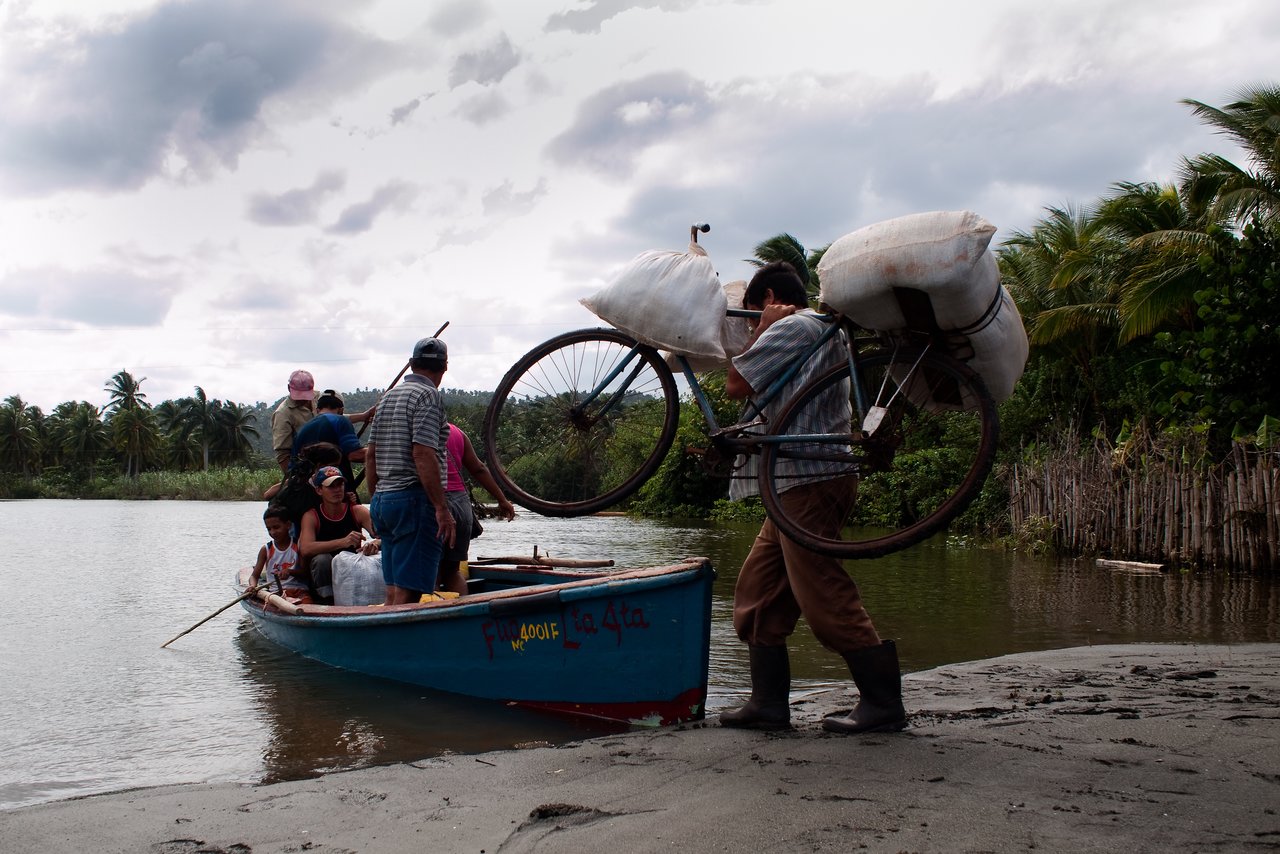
column 768, row 707
column 875, row 672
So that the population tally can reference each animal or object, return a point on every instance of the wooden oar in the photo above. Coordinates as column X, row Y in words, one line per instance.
column 234, row 601
column 364, row 425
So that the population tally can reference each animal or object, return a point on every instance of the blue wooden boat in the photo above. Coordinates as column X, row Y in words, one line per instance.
column 624, row 645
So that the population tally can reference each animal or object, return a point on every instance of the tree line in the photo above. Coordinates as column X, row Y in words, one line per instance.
column 78, row 439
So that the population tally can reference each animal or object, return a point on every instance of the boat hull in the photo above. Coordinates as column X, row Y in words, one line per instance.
column 631, row 646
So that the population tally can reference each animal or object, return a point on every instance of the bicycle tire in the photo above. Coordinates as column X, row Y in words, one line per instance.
column 939, row 432
column 557, row 459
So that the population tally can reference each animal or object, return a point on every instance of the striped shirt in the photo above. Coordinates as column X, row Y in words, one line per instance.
column 769, row 357
column 410, row 414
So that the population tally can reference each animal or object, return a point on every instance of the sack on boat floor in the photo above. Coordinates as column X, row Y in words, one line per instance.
column 357, row 579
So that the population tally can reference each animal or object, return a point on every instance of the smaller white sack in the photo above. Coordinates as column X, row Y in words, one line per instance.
column 1000, row 348
column 668, row 300
column 357, row 579
column 734, row 332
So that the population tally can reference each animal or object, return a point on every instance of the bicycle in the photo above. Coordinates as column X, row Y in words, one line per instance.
column 583, row 420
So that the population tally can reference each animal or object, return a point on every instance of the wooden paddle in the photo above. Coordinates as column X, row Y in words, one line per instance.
column 235, row 601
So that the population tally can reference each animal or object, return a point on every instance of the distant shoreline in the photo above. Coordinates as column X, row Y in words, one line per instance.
column 234, row 483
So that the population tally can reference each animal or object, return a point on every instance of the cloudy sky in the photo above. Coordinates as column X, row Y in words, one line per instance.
column 216, row 192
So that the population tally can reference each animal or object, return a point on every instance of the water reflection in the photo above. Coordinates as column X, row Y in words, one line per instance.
column 89, row 702
column 319, row 718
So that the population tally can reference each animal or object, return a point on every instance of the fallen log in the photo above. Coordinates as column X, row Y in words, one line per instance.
column 1131, row 564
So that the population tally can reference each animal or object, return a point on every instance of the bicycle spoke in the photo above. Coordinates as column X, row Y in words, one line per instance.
column 919, row 467
column 580, row 422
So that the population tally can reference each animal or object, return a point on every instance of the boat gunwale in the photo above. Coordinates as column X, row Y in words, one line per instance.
column 354, row 615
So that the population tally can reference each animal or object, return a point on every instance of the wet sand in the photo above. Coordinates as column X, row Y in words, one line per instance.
column 1133, row 748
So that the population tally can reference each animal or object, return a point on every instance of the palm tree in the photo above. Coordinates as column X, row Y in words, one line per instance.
column 1157, row 270
column 133, row 429
column 126, row 392
column 136, row 436
column 180, row 449
column 784, row 247
column 199, row 417
column 82, row 437
column 1060, row 276
column 1252, row 121
column 239, row 426
column 20, row 428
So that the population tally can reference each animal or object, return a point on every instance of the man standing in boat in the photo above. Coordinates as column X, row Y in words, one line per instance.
column 405, row 467
column 293, row 412
column 781, row 580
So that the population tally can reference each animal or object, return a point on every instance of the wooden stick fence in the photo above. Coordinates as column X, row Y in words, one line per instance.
column 1155, row 502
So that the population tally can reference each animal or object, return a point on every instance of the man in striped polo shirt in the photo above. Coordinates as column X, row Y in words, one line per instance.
column 405, row 467
column 781, row 580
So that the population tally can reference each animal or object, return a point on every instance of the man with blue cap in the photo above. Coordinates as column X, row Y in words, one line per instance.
column 405, row 469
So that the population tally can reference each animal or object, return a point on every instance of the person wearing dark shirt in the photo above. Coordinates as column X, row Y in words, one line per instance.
column 332, row 426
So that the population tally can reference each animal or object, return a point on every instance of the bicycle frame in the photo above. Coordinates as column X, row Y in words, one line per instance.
column 836, row 323
column 731, row 437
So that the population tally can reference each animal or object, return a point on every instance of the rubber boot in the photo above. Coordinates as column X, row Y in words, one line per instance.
column 769, row 707
column 875, row 672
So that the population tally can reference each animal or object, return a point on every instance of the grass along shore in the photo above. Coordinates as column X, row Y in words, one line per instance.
column 220, row 484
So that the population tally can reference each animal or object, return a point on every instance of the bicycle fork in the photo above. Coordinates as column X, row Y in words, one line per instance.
column 578, row 413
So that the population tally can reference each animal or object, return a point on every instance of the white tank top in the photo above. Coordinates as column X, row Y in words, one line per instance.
column 281, row 561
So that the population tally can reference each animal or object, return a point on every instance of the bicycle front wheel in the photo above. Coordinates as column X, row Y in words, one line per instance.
column 581, row 422
column 914, row 465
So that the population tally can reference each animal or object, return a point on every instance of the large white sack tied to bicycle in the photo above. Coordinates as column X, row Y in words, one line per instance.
column 931, row 272
column 668, row 300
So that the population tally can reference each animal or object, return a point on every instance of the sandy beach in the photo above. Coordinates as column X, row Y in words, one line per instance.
column 1133, row 748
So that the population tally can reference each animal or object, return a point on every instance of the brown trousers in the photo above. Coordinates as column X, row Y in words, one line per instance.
column 781, row 580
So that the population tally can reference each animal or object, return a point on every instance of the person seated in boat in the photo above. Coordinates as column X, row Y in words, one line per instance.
column 459, row 455
column 278, row 559
column 331, row 425
column 337, row 525
column 295, row 493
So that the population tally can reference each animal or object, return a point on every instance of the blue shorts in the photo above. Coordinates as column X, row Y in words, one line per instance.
column 406, row 523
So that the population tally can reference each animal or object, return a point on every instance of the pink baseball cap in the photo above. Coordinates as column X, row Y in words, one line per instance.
column 302, row 386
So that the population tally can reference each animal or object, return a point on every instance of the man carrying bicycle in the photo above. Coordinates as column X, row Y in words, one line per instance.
column 780, row 580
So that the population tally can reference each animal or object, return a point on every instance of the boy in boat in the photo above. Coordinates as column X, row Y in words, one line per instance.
column 337, row 525
column 278, row 558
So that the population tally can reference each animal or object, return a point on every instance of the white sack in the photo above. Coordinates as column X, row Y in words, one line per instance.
column 734, row 332
column 668, row 300
column 940, row 253
column 995, row 347
column 999, row 348
column 357, row 579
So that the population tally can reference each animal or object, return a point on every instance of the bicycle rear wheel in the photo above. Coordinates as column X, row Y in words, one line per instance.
column 581, row 422
column 918, row 469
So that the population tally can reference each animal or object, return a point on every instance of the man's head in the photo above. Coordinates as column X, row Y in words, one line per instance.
column 329, row 481
column 329, row 401
column 780, row 278
column 430, row 354
column 302, row 386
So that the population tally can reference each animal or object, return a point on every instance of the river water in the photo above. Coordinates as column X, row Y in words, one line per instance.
column 89, row 702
